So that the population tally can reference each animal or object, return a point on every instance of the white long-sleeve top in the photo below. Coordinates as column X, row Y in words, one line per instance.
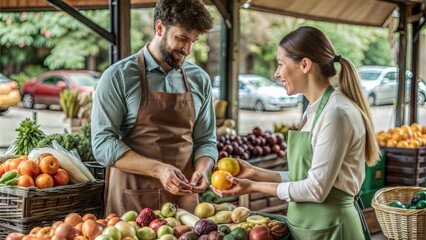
column 338, row 145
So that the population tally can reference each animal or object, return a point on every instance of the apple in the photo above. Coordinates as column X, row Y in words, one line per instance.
column 146, row 233
column 129, row 216
column 168, row 209
column 103, row 237
column 158, row 212
column 167, row 237
column 126, row 229
column 260, row 233
column 164, row 229
column 112, row 232
column 156, row 223
column 173, row 222
column 135, row 225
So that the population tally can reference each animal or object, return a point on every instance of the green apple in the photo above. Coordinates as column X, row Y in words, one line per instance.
column 135, row 225
column 112, row 232
column 129, row 216
column 146, row 233
column 158, row 212
column 126, row 229
column 164, row 229
column 104, row 237
column 173, row 222
column 168, row 210
column 167, row 237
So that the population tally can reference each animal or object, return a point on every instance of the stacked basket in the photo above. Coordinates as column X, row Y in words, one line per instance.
column 398, row 223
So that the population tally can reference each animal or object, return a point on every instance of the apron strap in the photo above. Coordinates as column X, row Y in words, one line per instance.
column 324, row 100
column 359, row 206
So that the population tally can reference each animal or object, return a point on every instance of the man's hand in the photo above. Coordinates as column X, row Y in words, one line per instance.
column 174, row 181
column 199, row 181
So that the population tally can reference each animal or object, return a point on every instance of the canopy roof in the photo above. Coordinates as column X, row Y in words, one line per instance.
column 360, row 12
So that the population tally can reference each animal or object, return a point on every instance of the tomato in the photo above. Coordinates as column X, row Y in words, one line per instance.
column 25, row 181
column 29, row 168
column 220, row 181
column 15, row 163
column 1, row 169
column 61, row 177
column 6, row 165
column 49, row 165
column 44, row 180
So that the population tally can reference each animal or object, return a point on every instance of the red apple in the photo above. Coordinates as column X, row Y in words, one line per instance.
column 156, row 223
column 260, row 233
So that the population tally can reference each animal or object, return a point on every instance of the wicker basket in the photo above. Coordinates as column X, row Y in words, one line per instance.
column 21, row 209
column 397, row 223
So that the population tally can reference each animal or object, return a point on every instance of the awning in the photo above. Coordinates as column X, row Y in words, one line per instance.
column 360, row 12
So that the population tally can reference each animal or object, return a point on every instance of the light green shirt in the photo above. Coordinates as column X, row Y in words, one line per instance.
column 117, row 98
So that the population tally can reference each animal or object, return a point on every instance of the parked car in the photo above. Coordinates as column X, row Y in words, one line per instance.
column 259, row 93
column 9, row 93
column 45, row 89
column 380, row 84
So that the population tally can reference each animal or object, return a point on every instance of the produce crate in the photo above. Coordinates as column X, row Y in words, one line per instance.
column 22, row 209
column 405, row 166
column 97, row 170
column 375, row 176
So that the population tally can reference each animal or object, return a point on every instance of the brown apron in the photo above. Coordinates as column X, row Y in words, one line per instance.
column 162, row 131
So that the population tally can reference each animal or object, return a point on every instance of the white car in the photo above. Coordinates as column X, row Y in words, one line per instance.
column 259, row 93
column 380, row 84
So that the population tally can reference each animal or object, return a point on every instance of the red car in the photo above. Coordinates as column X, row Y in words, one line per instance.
column 45, row 89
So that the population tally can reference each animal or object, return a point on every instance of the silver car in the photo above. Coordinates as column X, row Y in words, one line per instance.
column 380, row 84
column 259, row 93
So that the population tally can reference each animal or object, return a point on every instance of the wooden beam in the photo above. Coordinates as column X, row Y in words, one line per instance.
column 223, row 11
column 43, row 5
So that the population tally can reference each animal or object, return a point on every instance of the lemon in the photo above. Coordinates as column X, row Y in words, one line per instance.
column 229, row 165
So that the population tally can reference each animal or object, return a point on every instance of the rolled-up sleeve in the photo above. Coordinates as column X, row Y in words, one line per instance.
column 109, row 108
column 204, row 134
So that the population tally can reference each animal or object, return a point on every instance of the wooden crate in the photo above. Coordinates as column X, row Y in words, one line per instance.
column 405, row 166
column 371, row 219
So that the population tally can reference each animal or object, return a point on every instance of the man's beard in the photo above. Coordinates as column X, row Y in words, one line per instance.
column 167, row 54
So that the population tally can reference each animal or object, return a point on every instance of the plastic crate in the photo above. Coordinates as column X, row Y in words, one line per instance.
column 375, row 176
column 97, row 170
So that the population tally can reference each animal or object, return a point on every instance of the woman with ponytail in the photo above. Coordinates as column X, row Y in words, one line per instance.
column 326, row 157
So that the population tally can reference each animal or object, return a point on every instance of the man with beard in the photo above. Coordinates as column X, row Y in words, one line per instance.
column 153, row 121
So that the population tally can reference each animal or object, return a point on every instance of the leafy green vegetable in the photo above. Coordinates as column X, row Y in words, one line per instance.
column 29, row 134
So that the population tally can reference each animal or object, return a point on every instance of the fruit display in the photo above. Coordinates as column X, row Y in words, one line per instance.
column 417, row 202
column 255, row 144
column 44, row 172
column 227, row 128
column 147, row 225
column 405, row 136
column 284, row 128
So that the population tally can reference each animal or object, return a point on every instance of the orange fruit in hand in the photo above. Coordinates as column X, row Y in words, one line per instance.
column 229, row 165
column 25, row 181
column 44, row 180
column 219, row 180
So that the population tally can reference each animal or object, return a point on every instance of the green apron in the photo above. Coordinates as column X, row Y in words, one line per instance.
column 337, row 217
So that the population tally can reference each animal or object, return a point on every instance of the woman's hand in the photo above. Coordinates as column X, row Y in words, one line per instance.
column 174, row 181
column 239, row 187
column 246, row 170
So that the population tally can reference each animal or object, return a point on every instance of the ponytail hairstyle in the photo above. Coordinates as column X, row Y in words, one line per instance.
column 309, row 42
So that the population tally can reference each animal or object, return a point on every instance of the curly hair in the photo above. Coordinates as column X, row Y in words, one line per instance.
column 188, row 14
